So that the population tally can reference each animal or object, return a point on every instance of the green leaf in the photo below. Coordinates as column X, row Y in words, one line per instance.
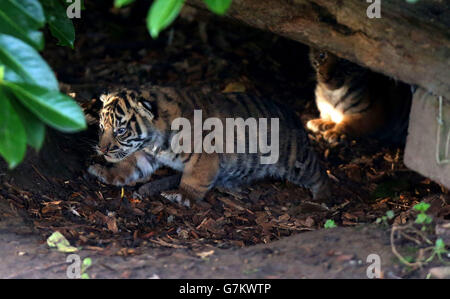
column 30, row 9
column 440, row 246
column 161, row 14
column 329, row 224
column 422, row 207
column 423, row 218
column 219, row 7
column 34, row 127
column 22, row 19
column 12, row 134
column 390, row 214
column 24, row 64
column 52, row 107
column 87, row 262
column 60, row 25
column 120, row 3
column 60, row 242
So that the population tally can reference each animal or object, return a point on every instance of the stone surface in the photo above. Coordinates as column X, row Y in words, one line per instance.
column 422, row 143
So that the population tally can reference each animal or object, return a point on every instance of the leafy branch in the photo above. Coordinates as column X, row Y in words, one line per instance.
column 163, row 12
column 29, row 93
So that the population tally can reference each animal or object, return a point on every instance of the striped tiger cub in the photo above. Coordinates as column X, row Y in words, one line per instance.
column 357, row 102
column 136, row 137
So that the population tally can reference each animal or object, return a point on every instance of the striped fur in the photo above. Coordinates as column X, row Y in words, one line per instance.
column 357, row 102
column 146, row 115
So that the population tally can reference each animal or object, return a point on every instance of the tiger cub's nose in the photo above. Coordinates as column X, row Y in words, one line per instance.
column 104, row 149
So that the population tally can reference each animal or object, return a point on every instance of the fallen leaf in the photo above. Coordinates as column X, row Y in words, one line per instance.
column 234, row 87
column 112, row 224
column 60, row 242
column 205, row 254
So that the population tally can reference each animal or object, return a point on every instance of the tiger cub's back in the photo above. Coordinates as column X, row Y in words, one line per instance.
column 296, row 160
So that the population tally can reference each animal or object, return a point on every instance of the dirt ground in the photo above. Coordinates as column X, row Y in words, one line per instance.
column 341, row 254
column 271, row 229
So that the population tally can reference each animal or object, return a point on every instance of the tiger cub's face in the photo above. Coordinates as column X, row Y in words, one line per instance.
column 331, row 70
column 325, row 64
column 126, row 125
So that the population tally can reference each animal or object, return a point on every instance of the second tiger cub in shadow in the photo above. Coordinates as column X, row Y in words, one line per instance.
column 354, row 101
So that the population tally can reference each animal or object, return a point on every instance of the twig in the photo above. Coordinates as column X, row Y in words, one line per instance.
column 40, row 174
column 422, row 251
column 164, row 243
column 394, row 249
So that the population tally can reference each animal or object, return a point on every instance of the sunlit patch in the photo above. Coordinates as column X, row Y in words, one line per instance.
column 330, row 111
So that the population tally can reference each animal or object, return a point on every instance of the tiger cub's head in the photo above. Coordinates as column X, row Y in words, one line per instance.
column 126, row 124
column 333, row 71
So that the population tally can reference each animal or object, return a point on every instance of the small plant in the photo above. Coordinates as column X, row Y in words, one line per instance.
column 384, row 219
column 87, row 262
column 438, row 250
column 422, row 217
column 330, row 224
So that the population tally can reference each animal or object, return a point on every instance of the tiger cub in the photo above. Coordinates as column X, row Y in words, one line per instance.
column 357, row 102
column 136, row 136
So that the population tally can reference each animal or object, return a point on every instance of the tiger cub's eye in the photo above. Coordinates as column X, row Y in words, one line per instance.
column 120, row 131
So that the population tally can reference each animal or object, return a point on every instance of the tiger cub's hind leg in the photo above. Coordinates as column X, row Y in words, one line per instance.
column 134, row 169
column 307, row 172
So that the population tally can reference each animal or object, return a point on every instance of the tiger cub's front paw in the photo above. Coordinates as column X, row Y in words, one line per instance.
column 320, row 125
column 177, row 197
column 330, row 131
column 109, row 176
column 333, row 136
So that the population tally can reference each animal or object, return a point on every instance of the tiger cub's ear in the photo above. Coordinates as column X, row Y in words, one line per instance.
column 147, row 104
column 104, row 97
column 151, row 107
